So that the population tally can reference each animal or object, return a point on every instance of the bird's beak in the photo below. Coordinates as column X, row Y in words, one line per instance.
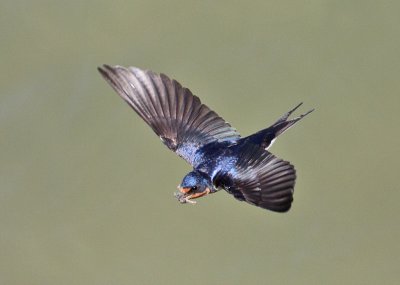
column 184, row 190
column 201, row 194
column 186, row 197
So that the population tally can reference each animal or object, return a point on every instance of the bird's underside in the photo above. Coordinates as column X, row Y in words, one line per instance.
column 188, row 127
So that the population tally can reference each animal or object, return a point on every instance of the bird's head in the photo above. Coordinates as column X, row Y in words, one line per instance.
column 194, row 185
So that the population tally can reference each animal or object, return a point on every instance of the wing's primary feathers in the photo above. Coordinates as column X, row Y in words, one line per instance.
column 178, row 117
column 261, row 179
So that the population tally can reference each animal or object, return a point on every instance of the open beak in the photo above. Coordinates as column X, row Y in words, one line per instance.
column 185, row 196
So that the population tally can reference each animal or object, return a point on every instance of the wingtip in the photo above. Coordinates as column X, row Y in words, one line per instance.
column 109, row 74
column 107, row 71
column 101, row 70
column 104, row 68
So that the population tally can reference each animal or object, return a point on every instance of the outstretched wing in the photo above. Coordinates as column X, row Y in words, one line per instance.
column 178, row 117
column 260, row 179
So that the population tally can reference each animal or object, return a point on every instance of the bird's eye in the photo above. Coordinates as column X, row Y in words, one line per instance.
column 194, row 188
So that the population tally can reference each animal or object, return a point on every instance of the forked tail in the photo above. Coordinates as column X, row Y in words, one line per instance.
column 266, row 137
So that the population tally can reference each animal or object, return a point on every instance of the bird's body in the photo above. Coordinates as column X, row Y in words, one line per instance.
column 220, row 157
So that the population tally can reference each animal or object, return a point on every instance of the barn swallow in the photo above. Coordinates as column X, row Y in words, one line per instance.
column 220, row 157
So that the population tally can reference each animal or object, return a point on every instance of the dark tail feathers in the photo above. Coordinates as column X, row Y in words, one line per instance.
column 284, row 124
column 266, row 136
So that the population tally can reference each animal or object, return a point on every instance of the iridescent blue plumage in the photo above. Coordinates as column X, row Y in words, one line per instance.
column 221, row 159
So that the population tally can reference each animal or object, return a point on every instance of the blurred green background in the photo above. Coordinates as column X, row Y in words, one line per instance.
column 86, row 188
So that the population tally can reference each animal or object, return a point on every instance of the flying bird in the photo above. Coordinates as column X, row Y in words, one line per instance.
column 220, row 157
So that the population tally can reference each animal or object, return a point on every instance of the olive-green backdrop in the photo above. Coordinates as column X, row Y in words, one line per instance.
column 86, row 188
